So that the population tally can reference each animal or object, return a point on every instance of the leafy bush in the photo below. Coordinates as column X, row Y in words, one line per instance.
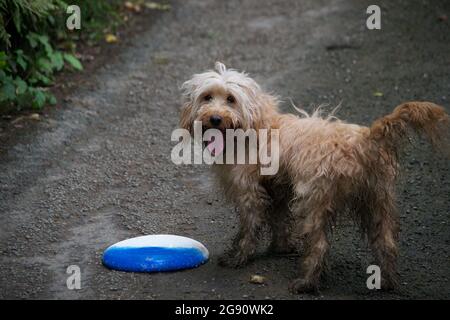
column 35, row 44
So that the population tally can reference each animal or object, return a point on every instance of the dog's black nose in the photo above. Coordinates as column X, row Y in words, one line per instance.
column 215, row 120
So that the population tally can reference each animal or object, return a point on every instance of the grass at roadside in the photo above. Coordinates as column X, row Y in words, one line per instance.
column 35, row 44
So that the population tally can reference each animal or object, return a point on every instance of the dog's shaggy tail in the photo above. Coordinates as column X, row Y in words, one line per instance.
column 423, row 117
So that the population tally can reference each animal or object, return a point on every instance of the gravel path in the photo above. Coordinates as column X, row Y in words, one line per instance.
column 99, row 170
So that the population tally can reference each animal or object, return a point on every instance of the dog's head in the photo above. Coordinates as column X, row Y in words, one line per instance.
column 223, row 99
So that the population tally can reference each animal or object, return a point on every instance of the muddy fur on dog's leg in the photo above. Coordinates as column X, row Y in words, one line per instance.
column 244, row 244
column 314, row 227
column 279, row 220
column 316, row 246
column 252, row 205
column 382, row 235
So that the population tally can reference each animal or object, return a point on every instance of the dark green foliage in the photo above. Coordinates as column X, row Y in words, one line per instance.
column 35, row 44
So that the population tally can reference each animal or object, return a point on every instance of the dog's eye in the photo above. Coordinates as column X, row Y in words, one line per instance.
column 208, row 97
column 231, row 99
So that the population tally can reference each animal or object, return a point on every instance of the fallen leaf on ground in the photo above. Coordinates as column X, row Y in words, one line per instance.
column 129, row 5
column 162, row 60
column 133, row 6
column 157, row 6
column 257, row 279
column 110, row 38
column 378, row 94
column 35, row 116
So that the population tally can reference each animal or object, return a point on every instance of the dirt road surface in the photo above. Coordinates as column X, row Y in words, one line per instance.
column 99, row 170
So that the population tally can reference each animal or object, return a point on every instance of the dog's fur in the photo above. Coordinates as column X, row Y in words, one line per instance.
column 327, row 167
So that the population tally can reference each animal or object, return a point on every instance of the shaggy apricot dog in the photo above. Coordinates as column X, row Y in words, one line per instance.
column 326, row 167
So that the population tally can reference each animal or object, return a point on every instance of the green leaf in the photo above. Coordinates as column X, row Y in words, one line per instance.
column 57, row 60
column 42, row 39
column 32, row 40
column 73, row 61
column 17, row 20
column 38, row 99
column 32, row 80
column 7, row 91
column 39, row 77
column 48, row 48
column 3, row 60
column 21, row 86
column 20, row 59
column 51, row 99
column 4, row 35
column 44, row 65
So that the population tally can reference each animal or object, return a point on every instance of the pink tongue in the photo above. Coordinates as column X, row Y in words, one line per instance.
column 215, row 146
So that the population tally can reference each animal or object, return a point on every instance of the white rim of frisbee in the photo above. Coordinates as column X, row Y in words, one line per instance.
column 161, row 240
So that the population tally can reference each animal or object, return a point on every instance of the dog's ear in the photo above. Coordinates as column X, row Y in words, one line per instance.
column 220, row 67
column 186, row 116
column 265, row 112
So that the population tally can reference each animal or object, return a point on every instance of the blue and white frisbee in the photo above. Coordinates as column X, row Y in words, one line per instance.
column 155, row 253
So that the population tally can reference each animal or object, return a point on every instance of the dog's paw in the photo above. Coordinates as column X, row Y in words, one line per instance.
column 301, row 285
column 232, row 260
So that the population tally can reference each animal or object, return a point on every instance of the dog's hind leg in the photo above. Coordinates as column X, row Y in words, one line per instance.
column 317, row 216
column 280, row 226
column 381, row 225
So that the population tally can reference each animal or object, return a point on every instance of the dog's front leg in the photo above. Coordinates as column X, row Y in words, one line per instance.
column 252, row 203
